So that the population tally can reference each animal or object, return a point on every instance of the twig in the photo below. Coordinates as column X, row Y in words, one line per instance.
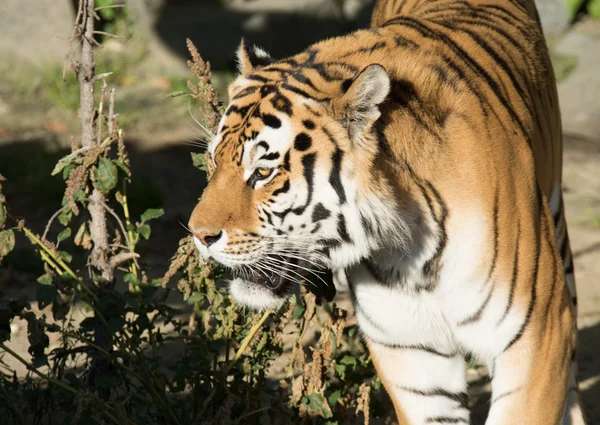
column 111, row 111
column 109, row 34
column 114, row 214
column 102, row 76
column 128, row 221
column 73, row 35
column 122, row 257
column 56, row 214
column 100, row 108
column 86, row 73
column 112, row 6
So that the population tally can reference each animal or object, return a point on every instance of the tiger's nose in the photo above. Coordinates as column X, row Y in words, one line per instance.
column 207, row 238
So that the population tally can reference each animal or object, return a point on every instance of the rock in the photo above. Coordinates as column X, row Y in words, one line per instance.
column 35, row 31
column 554, row 15
column 579, row 94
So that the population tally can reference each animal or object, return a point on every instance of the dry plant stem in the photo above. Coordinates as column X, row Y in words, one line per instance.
column 247, row 340
column 111, row 111
column 99, row 234
column 73, row 34
column 47, row 229
column 86, row 74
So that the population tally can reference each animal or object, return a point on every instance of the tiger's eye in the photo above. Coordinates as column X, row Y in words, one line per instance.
column 263, row 172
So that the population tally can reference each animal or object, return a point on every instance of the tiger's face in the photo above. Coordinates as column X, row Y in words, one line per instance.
column 292, row 190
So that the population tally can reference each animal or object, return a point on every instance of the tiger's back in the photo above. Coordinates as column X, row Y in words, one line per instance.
column 421, row 161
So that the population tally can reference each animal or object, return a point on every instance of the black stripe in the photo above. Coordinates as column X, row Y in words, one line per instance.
column 282, row 189
column 308, row 162
column 477, row 315
column 445, row 420
column 270, row 156
column 496, row 214
column 271, row 120
column 342, row 230
column 500, row 62
column 418, row 347
column 506, row 394
column 534, row 281
column 335, row 177
column 461, row 398
column 247, row 91
column 427, row 32
column 515, row 274
column 320, row 213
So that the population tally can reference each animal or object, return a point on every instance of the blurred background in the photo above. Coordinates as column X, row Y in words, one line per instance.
column 38, row 114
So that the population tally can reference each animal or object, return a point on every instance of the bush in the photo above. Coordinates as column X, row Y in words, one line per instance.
column 107, row 346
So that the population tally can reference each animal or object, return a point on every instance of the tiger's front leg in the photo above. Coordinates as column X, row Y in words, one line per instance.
column 426, row 386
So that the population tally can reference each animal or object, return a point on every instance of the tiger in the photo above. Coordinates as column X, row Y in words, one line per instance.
column 419, row 161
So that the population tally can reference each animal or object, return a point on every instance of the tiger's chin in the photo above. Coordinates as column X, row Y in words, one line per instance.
column 259, row 296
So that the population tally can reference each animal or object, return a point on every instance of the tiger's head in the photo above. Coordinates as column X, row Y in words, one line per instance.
column 297, row 182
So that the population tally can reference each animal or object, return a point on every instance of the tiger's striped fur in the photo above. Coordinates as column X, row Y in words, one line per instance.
column 420, row 160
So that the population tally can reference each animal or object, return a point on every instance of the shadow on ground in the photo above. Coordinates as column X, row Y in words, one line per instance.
column 217, row 31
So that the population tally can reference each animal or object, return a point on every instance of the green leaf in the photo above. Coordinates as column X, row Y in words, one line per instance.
column 298, row 311
column 65, row 216
column 198, row 161
column 122, row 166
column 79, row 235
column 63, row 162
column 67, row 171
column 144, row 231
column 115, row 324
column 314, row 401
column 334, row 397
column 340, row 369
column 152, row 213
column 45, row 295
column 65, row 256
column 156, row 282
column 45, row 279
column 7, row 242
column 198, row 296
column 131, row 278
column 106, row 175
column 348, row 360
column 63, row 235
column 2, row 215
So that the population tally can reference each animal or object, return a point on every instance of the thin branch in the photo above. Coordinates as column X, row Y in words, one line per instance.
column 112, row 6
column 73, row 35
column 102, row 76
column 100, row 109
column 118, row 219
column 109, row 34
column 86, row 74
column 122, row 257
column 111, row 111
column 56, row 214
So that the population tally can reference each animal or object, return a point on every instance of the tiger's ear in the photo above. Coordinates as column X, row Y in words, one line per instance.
column 251, row 58
column 358, row 107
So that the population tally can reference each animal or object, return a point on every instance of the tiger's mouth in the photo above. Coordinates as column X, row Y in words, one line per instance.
column 277, row 278
column 277, row 272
